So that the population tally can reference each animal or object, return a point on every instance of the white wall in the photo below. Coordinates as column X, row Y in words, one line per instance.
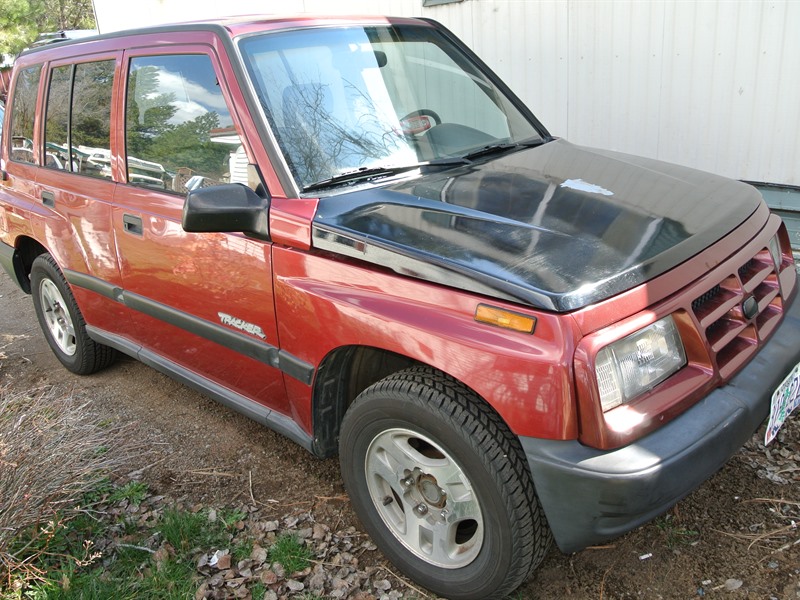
column 713, row 84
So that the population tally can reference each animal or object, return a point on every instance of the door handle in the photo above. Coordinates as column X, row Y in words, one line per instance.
column 48, row 198
column 132, row 224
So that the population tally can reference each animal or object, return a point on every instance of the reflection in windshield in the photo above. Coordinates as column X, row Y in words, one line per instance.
column 338, row 100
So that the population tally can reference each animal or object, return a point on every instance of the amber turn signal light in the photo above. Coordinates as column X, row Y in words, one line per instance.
column 506, row 319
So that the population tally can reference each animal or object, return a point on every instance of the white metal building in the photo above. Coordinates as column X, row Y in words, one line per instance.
column 711, row 84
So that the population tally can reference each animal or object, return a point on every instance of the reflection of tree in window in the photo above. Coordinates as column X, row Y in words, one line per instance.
column 57, row 120
column 91, row 104
column 82, row 93
column 319, row 141
column 91, row 115
column 169, row 122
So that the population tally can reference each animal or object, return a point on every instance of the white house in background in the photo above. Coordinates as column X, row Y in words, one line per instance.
column 711, row 84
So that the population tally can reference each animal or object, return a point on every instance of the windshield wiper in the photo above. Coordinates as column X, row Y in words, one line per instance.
column 367, row 173
column 502, row 147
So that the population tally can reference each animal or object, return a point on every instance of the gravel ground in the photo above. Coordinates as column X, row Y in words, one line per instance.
column 737, row 536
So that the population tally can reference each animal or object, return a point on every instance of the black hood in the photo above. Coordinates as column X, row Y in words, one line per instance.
column 555, row 227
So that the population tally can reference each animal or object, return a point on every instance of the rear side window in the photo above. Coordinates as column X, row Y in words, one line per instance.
column 78, row 123
column 56, row 126
column 179, row 131
column 23, row 112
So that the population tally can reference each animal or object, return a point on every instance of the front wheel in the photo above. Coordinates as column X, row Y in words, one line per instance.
column 62, row 321
column 440, row 484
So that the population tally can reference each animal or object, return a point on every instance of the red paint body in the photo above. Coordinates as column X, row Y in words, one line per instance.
column 310, row 303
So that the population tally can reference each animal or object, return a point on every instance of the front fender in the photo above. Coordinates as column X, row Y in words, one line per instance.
column 323, row 304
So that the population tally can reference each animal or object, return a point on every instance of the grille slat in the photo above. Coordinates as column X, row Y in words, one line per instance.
column 701, row 301
column 731, row 334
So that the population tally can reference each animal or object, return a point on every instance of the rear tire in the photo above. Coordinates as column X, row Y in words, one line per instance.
column 440, row 483
column 62, row 321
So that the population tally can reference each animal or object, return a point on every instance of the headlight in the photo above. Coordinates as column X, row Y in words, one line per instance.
column 638, row 362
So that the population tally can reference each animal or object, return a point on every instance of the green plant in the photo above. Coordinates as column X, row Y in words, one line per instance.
column 230, row 518
column 67, row 565
column 133, row 491
column 258, row 591
column 242, row 549
column 675, row 534
column 185, row 530
column 290, row 552
column 49, row 464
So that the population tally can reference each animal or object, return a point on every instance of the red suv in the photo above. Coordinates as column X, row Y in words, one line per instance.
column 353, row 232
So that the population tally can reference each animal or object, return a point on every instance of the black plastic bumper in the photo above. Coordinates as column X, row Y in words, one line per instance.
column 590, row 496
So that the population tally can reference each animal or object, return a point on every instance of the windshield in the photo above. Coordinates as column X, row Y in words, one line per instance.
column 343, row 99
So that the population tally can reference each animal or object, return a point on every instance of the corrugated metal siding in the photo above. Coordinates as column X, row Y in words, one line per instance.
column 731, row 90
column 527, row 44
column 712, row 84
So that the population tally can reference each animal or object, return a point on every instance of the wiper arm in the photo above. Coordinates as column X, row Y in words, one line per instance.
column 502, row 147
column 384, row 171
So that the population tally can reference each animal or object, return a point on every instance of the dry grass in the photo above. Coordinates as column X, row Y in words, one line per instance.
column 778, row 538
column 52, row 451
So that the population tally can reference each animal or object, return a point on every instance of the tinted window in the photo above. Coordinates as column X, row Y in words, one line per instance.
column 23, row 112
column 80, row 96
column 179, row 131
column 91, row 118
column 56, row 125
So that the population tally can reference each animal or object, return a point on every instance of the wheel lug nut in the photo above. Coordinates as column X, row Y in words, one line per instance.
column 407, row 482
column 421, row 509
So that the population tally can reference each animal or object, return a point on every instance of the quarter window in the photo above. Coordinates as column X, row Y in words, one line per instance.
column 23, row 112
column 179, row 131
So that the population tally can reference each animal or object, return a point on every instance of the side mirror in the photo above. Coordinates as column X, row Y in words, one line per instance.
column 227, row 208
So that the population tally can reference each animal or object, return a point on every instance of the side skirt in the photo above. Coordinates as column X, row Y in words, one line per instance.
column 249, row 408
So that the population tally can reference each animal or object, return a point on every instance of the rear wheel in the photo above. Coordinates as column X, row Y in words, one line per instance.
column 62, row 322
column 440, row 484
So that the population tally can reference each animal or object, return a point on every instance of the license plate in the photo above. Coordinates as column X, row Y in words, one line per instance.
column 785, row 399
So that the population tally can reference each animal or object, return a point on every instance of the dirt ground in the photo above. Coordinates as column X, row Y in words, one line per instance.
column 737, row 536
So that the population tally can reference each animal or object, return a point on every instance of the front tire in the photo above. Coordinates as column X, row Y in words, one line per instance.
column 62, row 321
column 441, row 485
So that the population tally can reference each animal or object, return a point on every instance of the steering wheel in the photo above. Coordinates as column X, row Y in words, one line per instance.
column 419, row 121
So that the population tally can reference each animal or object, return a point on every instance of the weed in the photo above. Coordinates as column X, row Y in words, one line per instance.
column 185, row 530
column 133, row 491
column 98, row 492
column 67, row 566
column 52, row 453
column 232, row 517
column 258, row 591
column 242, row 550
column 676, row 535
column 293, row 554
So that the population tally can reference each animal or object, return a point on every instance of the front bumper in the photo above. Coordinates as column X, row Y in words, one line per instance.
column 590, row 495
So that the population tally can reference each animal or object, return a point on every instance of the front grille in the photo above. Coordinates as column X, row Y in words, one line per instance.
column 698, row 303
column 731, row 335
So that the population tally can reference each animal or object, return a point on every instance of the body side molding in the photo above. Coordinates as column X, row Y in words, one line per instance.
column 240, row 342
